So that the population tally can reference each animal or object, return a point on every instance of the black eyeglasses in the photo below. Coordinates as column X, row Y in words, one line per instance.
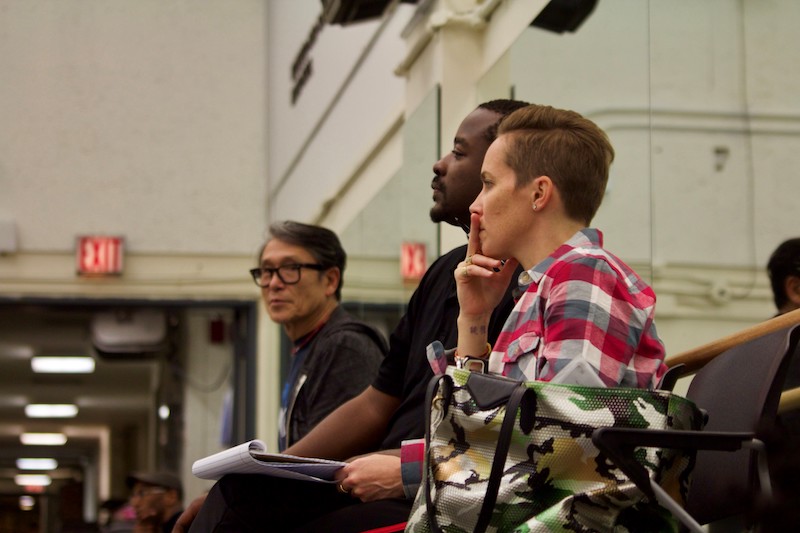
column 288, row 274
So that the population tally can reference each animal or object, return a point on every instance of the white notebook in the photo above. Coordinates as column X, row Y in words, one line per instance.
column 252, row 458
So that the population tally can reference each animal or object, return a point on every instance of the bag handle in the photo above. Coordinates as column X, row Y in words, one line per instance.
column 433, row 386
column 500, row 455
column 503, row 386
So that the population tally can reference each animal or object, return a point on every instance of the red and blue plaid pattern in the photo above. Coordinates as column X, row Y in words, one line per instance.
column 582, row 301
column 412, row 457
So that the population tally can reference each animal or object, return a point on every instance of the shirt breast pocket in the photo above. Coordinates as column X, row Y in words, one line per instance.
column 526, row 344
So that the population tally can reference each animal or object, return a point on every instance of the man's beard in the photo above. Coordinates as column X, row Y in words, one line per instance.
column 437, row 214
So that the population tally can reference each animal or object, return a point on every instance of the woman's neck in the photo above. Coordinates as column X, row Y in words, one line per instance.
column 546, row 238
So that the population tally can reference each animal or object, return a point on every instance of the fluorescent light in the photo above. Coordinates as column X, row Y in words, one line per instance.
column 32, row 480
column 63, row 364
column 26, row 502
column 51, row 410
column 37, row 463
column 43, row 439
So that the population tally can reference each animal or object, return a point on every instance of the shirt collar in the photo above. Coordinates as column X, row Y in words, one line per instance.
column 585, row 238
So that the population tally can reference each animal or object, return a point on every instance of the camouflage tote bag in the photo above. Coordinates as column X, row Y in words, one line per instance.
column 506, row 456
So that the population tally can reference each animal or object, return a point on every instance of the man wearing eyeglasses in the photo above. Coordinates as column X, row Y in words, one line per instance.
column 334, row 356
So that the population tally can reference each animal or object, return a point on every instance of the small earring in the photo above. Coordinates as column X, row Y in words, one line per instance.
column 535, row 207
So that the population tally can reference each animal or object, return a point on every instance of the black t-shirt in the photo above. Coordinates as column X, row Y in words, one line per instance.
column 431, row 315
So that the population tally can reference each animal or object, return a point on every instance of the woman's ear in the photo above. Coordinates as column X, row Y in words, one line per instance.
column 541, row 192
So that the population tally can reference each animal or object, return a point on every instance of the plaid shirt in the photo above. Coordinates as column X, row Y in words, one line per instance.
column 582, row 302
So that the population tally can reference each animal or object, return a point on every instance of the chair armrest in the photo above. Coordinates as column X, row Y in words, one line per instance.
column 618, row 444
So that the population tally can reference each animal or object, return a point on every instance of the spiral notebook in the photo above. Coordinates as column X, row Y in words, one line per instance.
column 252, row 457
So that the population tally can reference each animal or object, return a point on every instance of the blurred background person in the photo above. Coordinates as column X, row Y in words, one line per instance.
column 157, row 498
column 782, row 512
column 784, row 275
column 116, row 515
column 783, row 269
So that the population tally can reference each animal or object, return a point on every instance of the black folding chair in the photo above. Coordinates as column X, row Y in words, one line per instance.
column 739, row 390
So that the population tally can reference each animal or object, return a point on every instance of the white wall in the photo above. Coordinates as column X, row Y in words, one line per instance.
column 672, row 82
column 208, row 378
column 144, row 119
column 351, row 101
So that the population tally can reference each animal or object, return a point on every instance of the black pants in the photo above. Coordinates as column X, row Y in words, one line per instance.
column 241, row 503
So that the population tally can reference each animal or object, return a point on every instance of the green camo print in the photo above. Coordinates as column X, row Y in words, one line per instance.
column 555, row 479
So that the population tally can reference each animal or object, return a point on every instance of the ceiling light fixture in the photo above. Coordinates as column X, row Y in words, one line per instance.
column 37, row 463
column 43, row 439
column 62, row 364
column 32, row 480
column 26, row 502
column 51, row 410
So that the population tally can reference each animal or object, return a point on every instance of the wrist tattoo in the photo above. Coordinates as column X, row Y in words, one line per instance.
column 477, row 330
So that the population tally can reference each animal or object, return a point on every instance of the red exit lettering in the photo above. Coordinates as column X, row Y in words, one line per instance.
column 412, row 261
column 99, row 255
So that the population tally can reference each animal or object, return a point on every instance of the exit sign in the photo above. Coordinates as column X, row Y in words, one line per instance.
column 412, row 261
column 99, row 255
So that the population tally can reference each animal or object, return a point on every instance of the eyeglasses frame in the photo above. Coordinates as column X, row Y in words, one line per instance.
column 256, row 272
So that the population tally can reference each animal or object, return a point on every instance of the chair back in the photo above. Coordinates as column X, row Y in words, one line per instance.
column 740, row 390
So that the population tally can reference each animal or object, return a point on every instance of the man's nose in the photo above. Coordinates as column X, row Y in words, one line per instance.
column 439, row 167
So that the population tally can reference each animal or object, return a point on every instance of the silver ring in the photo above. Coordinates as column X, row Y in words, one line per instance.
column 341, row 489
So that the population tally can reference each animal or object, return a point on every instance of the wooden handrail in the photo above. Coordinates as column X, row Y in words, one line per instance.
column 696, row 358
column 790, row 400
